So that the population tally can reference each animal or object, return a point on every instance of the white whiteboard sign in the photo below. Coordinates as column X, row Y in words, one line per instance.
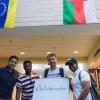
column 51, row 89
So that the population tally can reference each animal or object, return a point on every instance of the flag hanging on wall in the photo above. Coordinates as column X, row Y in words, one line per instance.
column 78, row 12
column 7, row 13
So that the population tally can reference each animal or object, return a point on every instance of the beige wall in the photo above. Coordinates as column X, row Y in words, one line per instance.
column 39, row 64
column 94, row 61
column 4, row 61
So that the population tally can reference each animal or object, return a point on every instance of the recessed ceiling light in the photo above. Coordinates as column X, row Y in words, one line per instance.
column 22, row 53
column 76, row 51
column 48, row 52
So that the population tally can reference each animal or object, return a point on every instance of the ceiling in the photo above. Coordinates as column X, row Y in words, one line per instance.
column 36, row 41
column 84, row 29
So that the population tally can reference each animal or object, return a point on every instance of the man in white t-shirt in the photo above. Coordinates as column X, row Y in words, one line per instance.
column 81, row 81
column 54, row 71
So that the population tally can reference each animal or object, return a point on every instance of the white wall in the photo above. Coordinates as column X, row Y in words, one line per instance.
column 43, row 12
column 97, row 7
column 39, row 12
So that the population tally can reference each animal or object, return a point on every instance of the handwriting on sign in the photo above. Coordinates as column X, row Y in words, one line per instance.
column 49, row 88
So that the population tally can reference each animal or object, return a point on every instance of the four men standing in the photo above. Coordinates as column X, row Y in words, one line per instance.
column 25, row 82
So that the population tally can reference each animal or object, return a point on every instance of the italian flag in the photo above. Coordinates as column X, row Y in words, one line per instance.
column 78, row 12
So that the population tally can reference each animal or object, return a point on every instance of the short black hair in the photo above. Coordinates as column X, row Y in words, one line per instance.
column 13, row 56
column 26, row 61
column 71, row 61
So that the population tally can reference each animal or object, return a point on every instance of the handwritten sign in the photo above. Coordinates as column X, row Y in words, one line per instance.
column 51, row 89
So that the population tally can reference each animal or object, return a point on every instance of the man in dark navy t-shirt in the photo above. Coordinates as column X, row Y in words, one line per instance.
column 8, row 78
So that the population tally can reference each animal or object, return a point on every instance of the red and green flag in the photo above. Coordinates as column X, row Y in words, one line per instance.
column 78, row 12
